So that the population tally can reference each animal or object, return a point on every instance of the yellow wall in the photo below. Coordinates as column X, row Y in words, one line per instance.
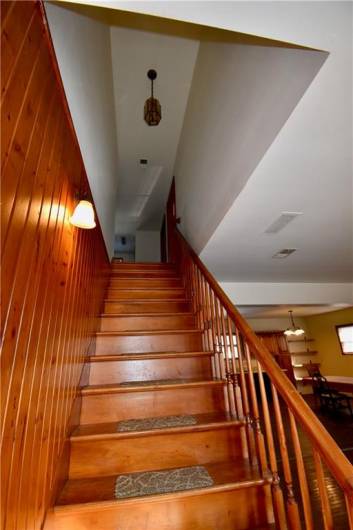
column 322, row 329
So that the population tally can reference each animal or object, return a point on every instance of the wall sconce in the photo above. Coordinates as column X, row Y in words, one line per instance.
column 293, row 330
column 153, row 112
column 83, row 216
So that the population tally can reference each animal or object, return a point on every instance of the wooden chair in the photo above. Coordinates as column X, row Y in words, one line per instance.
column 312, row 369
column 329, row 398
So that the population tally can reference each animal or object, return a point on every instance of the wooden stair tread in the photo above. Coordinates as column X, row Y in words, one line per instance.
column 147, row 264
column 148, row 386
column 98, row 490
column 161, row 288
column 150, row 275
column 129, row 315
column 147, row 356
column 147, row 332
column 205, row 421
column 145, row 300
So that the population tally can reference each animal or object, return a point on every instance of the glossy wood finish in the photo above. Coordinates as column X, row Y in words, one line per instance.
column 146, row 369
column 146, row 306
column 114, row 404
column 237, row 497
column 173, row 293
column 139, row 342
column 53, row 275
column 178, row 447
column 144, row 267
column 144, row 283
column 153, row 274
column 148, row 322
column 179, row 377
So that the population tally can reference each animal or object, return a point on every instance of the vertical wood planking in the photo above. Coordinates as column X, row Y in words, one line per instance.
column 53, row 275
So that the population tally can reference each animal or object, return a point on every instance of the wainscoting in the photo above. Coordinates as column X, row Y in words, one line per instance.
column 53, row 275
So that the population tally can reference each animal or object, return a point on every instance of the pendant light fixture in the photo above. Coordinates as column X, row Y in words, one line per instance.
column 83, row 216
column 293, row 330
column 153, row 113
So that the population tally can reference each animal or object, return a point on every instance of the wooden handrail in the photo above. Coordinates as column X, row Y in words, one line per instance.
column 323, row 443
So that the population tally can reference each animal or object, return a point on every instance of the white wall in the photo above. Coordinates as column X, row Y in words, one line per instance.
column 82, row 48
column 239, row 99
column 147, row 246
column 274, row 324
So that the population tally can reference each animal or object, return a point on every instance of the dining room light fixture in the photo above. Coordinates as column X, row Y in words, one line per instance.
column 293, row 330
column 83, row 216
column 152, row 111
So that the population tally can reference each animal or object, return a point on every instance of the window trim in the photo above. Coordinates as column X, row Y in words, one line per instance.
column 339, row 340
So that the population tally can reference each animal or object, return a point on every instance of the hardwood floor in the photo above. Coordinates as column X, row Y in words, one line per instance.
column 340, row 426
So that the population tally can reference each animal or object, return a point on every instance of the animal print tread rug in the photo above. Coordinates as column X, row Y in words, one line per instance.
column 162, row 422
column 166, row 481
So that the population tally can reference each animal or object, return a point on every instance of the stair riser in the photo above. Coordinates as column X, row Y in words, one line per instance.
column 163, row 402
column 163, row 451
column 146, row 307
column 143, row 274
column 142, row 266
column 102, row 373
column 243, row 509
column 145, row 294
column 149, row 283
column 147, row 323
column 109, row 345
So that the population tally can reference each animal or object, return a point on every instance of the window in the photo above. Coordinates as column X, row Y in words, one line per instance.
column 345, row 337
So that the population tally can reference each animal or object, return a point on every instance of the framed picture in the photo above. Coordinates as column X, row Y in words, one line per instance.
column 345, row 338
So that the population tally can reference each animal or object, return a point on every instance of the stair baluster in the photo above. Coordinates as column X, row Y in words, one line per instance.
column 235, row 368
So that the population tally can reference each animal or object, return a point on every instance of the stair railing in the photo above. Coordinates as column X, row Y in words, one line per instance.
column 258, row 392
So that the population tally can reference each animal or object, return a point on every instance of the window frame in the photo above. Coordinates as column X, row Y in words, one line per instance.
column 338, row 327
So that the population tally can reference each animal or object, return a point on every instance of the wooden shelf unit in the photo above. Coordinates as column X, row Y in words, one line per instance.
column 306, row 354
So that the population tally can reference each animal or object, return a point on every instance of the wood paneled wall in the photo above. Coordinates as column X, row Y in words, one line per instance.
column 53, row 275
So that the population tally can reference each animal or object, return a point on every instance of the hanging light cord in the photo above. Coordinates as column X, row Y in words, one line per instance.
column 292, row 319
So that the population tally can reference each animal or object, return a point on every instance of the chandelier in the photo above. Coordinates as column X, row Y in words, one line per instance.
column 293, row 330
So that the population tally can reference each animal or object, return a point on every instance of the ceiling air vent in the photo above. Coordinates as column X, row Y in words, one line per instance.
column 281, row 222
column 284, row 253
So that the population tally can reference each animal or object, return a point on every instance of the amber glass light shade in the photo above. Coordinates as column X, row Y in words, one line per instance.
column 153, row 112
column 83, row 216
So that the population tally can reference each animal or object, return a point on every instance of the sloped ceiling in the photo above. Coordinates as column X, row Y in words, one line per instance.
column 286, row 161
column 240, row 98
column 307, row 169
column 143, row 190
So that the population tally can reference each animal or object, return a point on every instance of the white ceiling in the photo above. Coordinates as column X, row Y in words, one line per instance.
column 280, row 311
column 308, row 167
column 240, row 98
column 142, row 191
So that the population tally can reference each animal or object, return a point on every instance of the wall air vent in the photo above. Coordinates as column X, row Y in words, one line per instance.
column 284, row 253
column 281, row 222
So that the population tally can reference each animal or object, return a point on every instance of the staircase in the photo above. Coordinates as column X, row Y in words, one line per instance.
column 151, row 362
